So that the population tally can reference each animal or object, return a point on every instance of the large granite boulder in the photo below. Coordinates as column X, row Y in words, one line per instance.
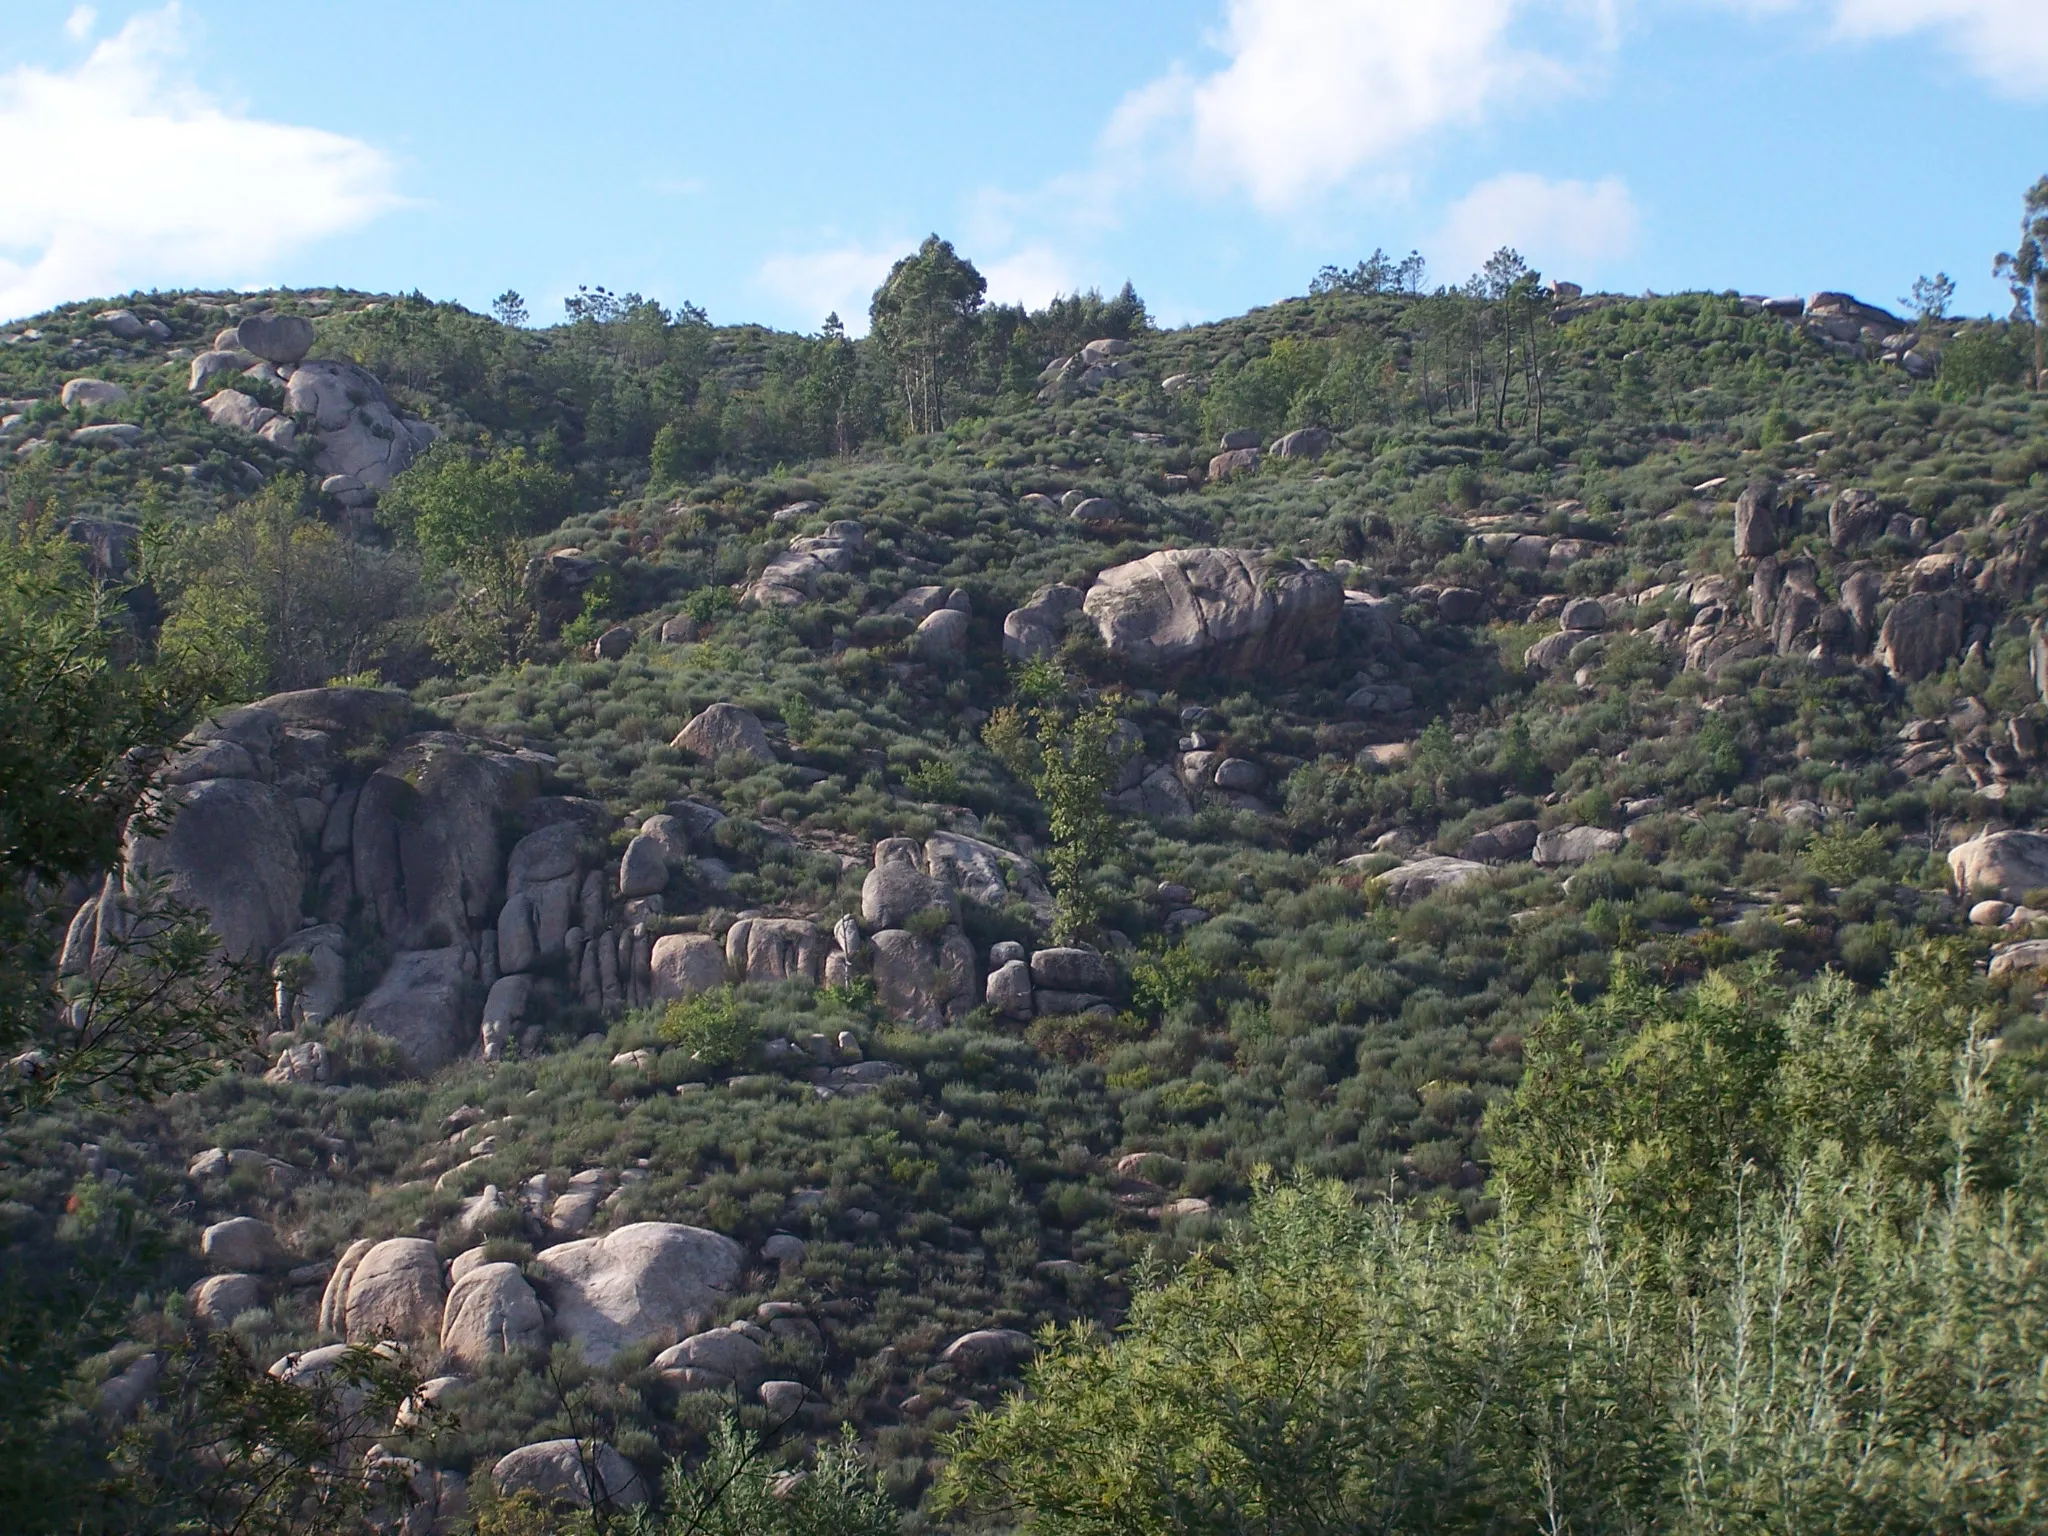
column 392, row 1290
column 232, row 848
column 2007, row 864
column 893, row 893
column 279, row 339
column 984, row 873
column 1227, row 610
column 643, row 1282
column 426, row 836
column 1508, row 840
column 357, row 429
column 1575, row 845
column 719, row 1357
column 422, row 1006
column 792, row 576
column 908, row 986
column 582, row 1475
column 491, row 1311
column 239, row 1244
column 1410, row 882
column 685, row 964
column 1756, row 520
column 725, row 730
column 1033, row 627
column 1921, row 632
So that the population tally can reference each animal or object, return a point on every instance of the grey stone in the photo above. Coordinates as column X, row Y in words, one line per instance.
column 1460, row 605
column 1095, row 509
column 419, row 1007
column 1239, row 775
column 1583, row 613
column 775, row 949
column 1575, row 845
column 490, row 1311
column 357, row 430
column 725, row 730
column 123, row 323
column 582, row 1475
column 86, row 393
column 1072, row 969
column 393, row 1291
column 1238, row 440
column 636, row 1283
column 1307, row 443
column 784, row 1248
column 1411, row 882
column 988, row 1350
column 279, row 339
column 122, row 1395
column 2007, row 864
column 241, row 1243
column 1009, row 989
column 614, row 643
column 1229, row 465
column 1033, row 628
column 906, row 976
column 942, row 636
column 730, row 1354
column 111, row 434
column 1229, row 610
column 643, row 868
column 894, row 893
column 1508, row 840
column 233, row 849
column 685, row 964
column 1921, row 633
column 1756, row 522
column 219, row 1299
column 208, row 366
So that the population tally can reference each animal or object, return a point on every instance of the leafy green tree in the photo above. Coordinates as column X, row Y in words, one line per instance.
column 1981, row 358
column 1069, row 756
column 509, row 308
column 1931, row 297
column 923, row 320
column 462, row 509
column 1379, row 273
column 2025, row 268
column 743, row 1487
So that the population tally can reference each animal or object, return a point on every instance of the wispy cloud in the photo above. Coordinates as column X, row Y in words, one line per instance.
column 1315, row 94
column 2004, row 41
column 136, row 196
column 840, row 281
column 1577, row 222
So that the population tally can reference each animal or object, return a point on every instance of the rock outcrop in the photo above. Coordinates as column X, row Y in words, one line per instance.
column 2006, row 864
column 581, row 1475
column 490, row 1311
column 357, row 430
column 792, row 576
column 725, row 730
column 1229, row 610
column 385, row 1290
column 1033, row 627
column 637, row 1283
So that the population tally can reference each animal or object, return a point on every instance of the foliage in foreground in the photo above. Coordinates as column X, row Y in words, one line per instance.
column 1843, row 1346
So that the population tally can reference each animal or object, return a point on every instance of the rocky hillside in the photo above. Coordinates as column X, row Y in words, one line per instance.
column 865, row 892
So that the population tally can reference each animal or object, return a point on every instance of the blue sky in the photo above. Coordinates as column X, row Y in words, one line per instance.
column 767, row 160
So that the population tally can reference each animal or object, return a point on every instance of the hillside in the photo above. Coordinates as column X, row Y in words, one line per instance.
column 943, row 812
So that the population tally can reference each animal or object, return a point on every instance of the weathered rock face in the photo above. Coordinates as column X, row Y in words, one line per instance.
column 1072, row 969
column 1922, row 631
column 775, row 949
column 1231, row 463
column 942, row 636
column 988, row 1350
column 906, row 975
column 232, row 848
column 2008, row 864
column 685, row 964
column 564, row 1472
column 1854, row 517
column 425, row 839
column 422, row 1006
column 393, row 1291
column 491, row 1311
column 356, row 428
column 725, row 730
column 1227, row 609
column 641, row 1282
column 1306, row 443
column 987, row 874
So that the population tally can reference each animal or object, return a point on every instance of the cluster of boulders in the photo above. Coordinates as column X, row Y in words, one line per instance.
column 792, row 576
column 1238, row 453
column 1096, row 364
column 1505, row 842
column 360, row 439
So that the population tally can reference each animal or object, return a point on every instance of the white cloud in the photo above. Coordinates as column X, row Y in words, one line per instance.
column 840, row 281
column 1577, row 223
column 79, row 24
column 2005, row 41
column 1031, row 277
column 1317, row 93
column 143, row 179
